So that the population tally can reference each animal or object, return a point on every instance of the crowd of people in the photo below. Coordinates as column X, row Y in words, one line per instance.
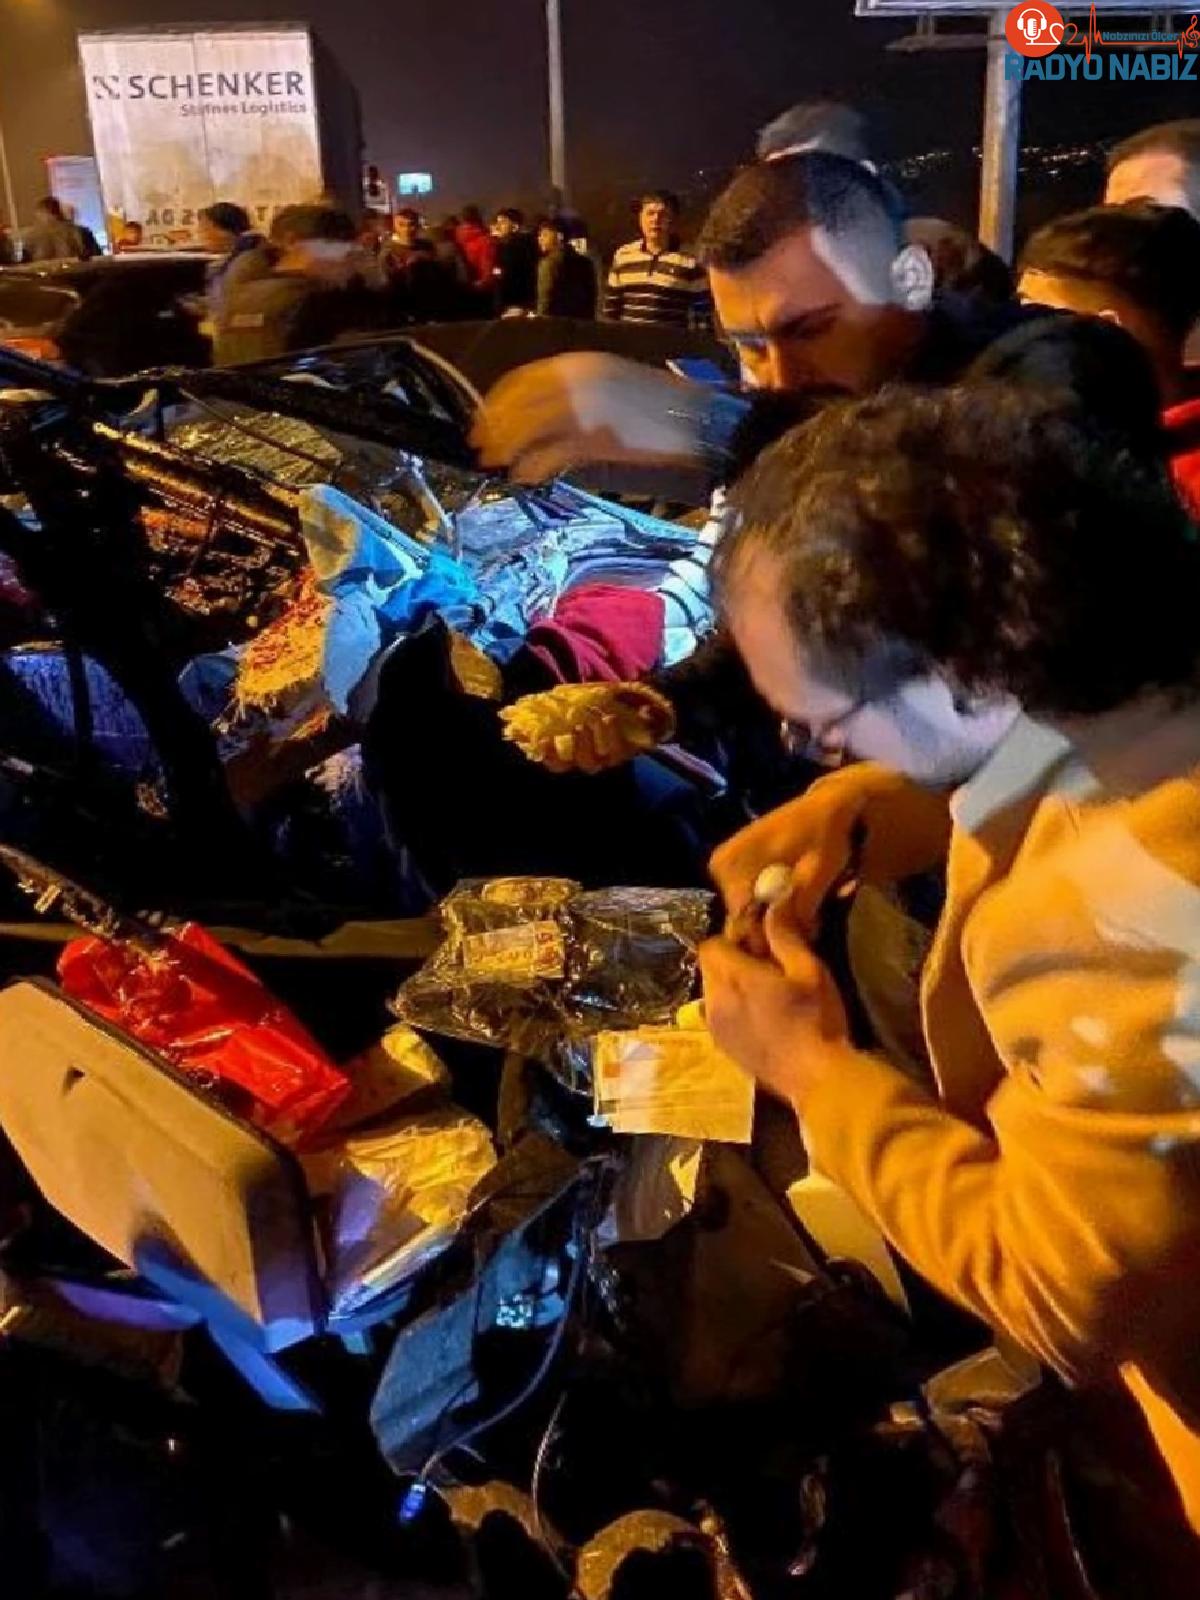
column 958, row 560
column 316, row 274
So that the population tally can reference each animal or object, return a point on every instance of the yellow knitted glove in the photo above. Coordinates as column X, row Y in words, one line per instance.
column 589, row 727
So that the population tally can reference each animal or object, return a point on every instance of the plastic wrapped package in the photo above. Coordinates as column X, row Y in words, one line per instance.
column 633, row 954
column 498, row 976
column 401, row 1197
column 536, row 966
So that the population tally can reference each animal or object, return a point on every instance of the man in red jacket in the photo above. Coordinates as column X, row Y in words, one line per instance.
column 478, row 250
column 1137, row 265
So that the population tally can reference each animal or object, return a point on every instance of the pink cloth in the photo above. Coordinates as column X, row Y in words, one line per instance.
column 600, row 633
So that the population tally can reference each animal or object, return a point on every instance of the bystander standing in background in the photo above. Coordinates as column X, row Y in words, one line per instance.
column 516, row 262
column 478, row 251
column 52, row 237
column 653, row 279
column 241, row 255
column 566, row 280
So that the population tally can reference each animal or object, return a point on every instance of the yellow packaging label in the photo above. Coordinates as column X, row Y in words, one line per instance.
column 531, row 950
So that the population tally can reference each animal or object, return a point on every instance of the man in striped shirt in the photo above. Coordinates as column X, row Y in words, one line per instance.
column 652, row 279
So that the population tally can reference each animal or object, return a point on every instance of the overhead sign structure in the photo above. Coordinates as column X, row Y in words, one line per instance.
column 962, row 8
column 1044, row 27
column 181, row 118
column 409, row 183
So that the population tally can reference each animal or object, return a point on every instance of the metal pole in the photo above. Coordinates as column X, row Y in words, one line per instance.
column 10, row 199
column 1001, row 145
column 558, row 127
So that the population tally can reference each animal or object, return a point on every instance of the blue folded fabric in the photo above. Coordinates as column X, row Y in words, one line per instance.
column 382, row 584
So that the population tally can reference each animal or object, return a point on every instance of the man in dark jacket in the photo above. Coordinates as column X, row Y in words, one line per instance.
column 566, row 280
column 312, row 295
column 516, row 262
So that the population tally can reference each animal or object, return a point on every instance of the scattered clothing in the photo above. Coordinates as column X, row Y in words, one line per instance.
column 600, row 634
column 481, row 809
column 669, row 286
column 686, row 591
column 381, row 584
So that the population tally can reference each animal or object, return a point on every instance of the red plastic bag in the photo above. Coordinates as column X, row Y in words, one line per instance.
column 210, row 1017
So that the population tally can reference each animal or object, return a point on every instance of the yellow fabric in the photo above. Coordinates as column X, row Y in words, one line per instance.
column 1055, row 1190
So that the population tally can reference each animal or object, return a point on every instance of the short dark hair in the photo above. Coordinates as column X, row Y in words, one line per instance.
column 51, row 205
column 1003, row 539
column 227, row 216
column 1148, row 253
column 297, row 223
column 815, row 125
column 472, row 214
column 1181, row 138
column 766, row 202
column 511, row 214
column 409, row 213
column 661, row 197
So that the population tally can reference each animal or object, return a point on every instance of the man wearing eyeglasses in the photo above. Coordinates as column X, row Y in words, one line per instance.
column 979, row 620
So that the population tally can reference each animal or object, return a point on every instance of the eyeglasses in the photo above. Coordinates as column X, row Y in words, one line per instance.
column 811, row 741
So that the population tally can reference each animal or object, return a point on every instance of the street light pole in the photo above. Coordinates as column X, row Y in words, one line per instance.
column 558, row 128
column 1001, row 145
column 10, row 199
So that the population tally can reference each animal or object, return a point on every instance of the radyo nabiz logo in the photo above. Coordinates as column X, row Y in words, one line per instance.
column 1043, row 44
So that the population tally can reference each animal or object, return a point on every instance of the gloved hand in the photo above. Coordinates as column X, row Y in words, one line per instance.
column 589, row 727
column 585, row 408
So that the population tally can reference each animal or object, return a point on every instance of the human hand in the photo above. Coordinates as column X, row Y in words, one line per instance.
column 813, row 835
column 584, row 409
column 779, row 1016
column 588, row 727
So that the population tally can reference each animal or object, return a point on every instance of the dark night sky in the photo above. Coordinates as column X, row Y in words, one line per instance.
column 656, row 89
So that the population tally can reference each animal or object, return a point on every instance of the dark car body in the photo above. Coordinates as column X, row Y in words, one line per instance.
column 107, row 317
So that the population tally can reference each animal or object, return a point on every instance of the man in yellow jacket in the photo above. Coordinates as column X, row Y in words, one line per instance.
column 976, row 592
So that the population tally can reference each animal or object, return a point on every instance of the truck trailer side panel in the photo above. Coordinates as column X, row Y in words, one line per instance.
column 183, row 117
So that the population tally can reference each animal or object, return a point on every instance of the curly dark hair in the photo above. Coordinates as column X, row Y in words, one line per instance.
column 1001, row 536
